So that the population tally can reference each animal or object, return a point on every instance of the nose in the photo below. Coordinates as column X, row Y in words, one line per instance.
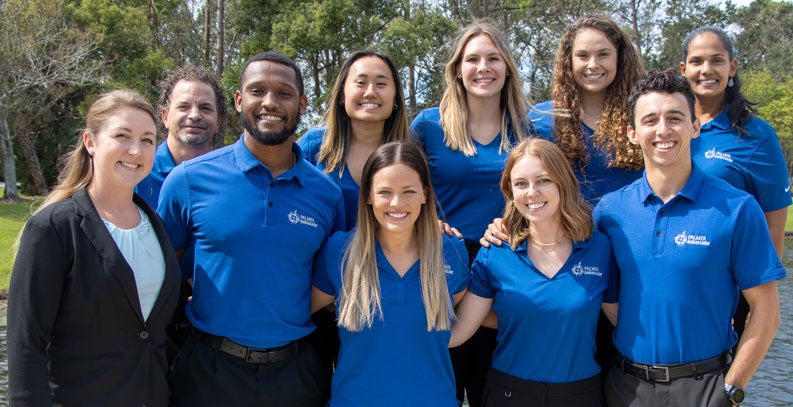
column 369, row 90
column 663, row 129
column 532, row 189
column 591, row 62
column 483, row 65
column 194, row 113
column 134, row 147
column 706, row 66
column 268, row 99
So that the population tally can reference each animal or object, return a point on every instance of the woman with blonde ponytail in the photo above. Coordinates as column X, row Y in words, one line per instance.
column 395, row 279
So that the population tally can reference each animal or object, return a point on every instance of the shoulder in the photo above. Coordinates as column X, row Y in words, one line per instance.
column 339, row 241
column 311, row 142
column 312, row 177
column 454, row 248
column 427, row 117
column 758, row 127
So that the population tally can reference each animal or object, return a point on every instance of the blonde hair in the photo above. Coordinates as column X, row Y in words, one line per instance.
column 77, row 165
column 611, row 135
column 338, row 135
column 454, row 106
column 360, row 299
column 576, row 212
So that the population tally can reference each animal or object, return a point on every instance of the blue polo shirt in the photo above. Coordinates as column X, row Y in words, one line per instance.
column 546, row 326
column 682, row 265
column 396, row 361
column 753, row 163
column 310, row 144
column 149, row 188
column 255, row 239
column 598, row 179
column 467, row 188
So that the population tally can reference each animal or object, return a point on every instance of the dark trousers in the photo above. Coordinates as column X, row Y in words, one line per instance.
column 704, row 390
column 505, row 390
column 326, row 338
column 203, row 376
column 472, row 360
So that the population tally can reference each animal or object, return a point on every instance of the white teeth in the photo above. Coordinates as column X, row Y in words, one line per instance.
column 707, row 82
column 484, row 80
column 269, row 117
column 369, row 105
column 536, row 205
column 399, row 215
column 665, row 146
column 130, row 165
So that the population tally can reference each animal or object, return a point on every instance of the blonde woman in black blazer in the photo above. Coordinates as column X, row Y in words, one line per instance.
column 84, row 326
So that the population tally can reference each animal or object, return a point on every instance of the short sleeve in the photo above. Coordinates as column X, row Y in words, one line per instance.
column 455, row 259
column 174, row 207
column 481, row 283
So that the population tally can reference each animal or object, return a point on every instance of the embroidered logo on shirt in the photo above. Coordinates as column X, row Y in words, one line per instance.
column 448, row 269
column 712, row 153
column 684, row 239
column 296, row 218
column 579, row 270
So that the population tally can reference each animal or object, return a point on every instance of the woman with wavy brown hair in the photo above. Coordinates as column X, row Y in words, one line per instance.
column 596, row 67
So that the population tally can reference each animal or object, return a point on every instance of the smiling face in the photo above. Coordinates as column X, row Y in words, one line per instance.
column 663, row 129
column 482, row 68
column 708, row 67
column 192, row 116
column 123, row 148
column 269, row 102
column 397, row 197
column 369, row 90
column 535, row 195
column 594, row 61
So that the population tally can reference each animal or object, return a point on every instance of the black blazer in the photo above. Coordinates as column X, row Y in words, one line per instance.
column 76, row 334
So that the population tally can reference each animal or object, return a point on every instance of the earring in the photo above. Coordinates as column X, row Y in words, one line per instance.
column 90, row 151
column 730, row 83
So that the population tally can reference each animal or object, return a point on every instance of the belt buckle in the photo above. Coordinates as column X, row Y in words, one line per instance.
column 262, row 357
column 665, row 370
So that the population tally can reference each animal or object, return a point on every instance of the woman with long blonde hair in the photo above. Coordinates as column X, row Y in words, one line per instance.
column 395, row 279
column 95, row 279
column 546, row 285
column 467, row 139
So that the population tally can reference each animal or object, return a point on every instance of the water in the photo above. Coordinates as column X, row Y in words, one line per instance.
column 769, row 387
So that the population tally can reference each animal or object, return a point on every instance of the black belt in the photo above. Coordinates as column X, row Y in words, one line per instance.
column 252, row 355
column 666, row 373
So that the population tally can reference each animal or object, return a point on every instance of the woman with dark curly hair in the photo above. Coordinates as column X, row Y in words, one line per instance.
column 596, row 66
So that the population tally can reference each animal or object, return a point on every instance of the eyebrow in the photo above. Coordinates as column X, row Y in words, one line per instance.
column 363, row 75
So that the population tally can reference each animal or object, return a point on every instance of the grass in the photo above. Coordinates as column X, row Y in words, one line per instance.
column 12, row 218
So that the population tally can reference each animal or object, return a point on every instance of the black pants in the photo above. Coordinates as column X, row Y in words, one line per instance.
column 505, row 390
column 704, row 390
column 203, row 376
column 472, row 360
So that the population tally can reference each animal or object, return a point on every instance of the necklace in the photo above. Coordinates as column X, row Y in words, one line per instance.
column 546, row 247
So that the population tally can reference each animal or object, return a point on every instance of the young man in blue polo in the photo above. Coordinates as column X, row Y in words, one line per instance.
column 686, row 244
column 255, row 213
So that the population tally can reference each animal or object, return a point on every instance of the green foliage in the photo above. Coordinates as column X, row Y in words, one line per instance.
column 12, row 219
column 774, row 97
column 680, row 20
column 766, row 41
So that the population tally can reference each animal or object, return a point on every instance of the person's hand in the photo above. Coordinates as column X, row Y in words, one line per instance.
column 494, row 234
column 446, row 228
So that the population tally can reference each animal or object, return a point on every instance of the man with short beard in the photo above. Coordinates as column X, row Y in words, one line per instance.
column 193, row 112
column 256, row 213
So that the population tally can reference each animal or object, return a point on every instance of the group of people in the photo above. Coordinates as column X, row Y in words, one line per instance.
column 375, row 226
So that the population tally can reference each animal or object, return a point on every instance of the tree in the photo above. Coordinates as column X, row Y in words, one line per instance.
column 766, row 42
column 773, row 94
column 44, row 62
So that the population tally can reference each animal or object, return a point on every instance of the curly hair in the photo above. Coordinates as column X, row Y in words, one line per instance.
column 195, row 74
column 610, row 136
column 739, row 109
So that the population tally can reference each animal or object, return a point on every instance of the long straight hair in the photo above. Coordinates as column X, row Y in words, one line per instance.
column 78, row 172
column 454, row 105
column 338, row 136
column 611, row 135
column 360, row 299
column 576, row 212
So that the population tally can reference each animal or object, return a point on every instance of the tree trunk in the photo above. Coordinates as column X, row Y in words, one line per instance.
column 28, row 151
column 9, row 168
column 207, row 33
column 220, row 22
